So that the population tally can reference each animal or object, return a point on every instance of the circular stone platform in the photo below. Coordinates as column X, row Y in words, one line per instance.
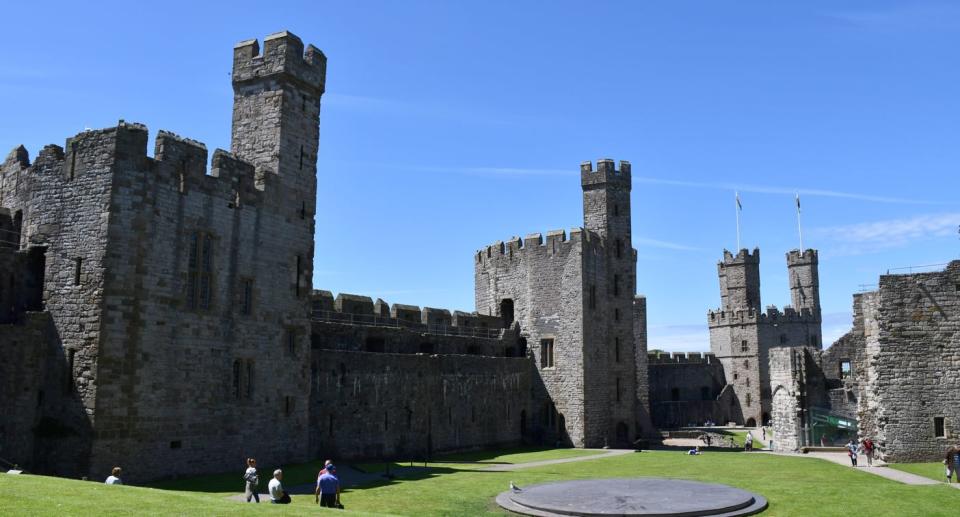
column 636, row 496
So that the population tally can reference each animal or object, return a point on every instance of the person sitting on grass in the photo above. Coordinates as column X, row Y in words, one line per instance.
column 328, row 488
column 277, row 494
column 695, row 451
column 114, row 477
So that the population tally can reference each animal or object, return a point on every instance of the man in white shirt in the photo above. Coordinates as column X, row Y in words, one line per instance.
column 114, row 477
column 277, row 494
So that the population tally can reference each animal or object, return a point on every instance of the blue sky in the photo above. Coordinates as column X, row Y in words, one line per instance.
column 450, row 125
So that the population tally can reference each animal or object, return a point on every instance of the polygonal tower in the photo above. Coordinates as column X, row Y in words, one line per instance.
column 804, row 280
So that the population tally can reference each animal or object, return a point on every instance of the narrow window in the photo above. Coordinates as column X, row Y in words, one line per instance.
column 845, row 368
column 748, row 400
column 616, row 210
column 619, row 248
column 618, row 389
column 303, row 103
column 301, row 157
column 616, row 285
column 736, row 376
column 743, row 346
column 746, row 364
column 287, row 405
column 246, row 303
column 249, row 379
column 616, row 314
column 675, row 394
column 200, row 271
column 303, row 210
column 236, row 379
column 616, row 349
column 546, row 353
column 291, row 342
column 593, row 297
column 176, row 444
column 939, row 429
column 297, row 289
column 748, row 382
column 71, row 359
column 77, row 266
column 813, row 340
column 783, row 339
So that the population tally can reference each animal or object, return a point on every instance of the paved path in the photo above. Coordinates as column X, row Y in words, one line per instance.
column 604, row 453
column 879, row 468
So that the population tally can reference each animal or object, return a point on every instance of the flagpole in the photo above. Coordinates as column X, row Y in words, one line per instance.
column 737, row 208
column 799, row 227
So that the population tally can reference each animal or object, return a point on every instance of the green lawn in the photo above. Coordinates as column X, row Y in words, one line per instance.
column 932, row 470
column 481, row 459
column 794, row 486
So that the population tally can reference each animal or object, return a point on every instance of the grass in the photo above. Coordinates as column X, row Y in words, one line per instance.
column 794, row 486
column 933, row 470
column 480, row 459
column 229, row 481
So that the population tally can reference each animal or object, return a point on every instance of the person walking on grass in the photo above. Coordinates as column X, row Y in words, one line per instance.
column 328, row 488
column 868, row 450
column 852, row 452
column 950, row 463
column 748, row 442
column 252, row 481
column 114, row 477
column 277, row 494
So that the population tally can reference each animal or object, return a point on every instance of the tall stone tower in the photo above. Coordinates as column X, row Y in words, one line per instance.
column 804, row 280
column 609, row 285
column 734, row 333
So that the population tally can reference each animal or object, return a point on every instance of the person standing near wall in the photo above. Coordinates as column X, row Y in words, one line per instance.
column 950, row 463
column 251, row 481
column 868, row 450
column 852, row 451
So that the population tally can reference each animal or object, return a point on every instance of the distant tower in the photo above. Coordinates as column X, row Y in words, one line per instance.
column 606, row 200
column 739, row 280
column 804, row 280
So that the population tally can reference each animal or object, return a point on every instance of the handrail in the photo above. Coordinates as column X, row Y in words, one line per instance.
column 374, row 320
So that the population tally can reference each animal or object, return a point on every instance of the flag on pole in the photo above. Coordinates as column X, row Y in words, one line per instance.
column 798, row 202
column 739, row 206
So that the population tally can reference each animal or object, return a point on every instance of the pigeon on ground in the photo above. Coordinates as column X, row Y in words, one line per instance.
column 515, row 488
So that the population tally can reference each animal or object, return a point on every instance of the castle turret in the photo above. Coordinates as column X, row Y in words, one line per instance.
column 276, row 112
column 606, row 200
column 739, row 280
column 804, row 280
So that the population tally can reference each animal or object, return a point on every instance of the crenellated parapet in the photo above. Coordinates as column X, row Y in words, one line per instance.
column 721, row 318
column 681, row 358
column 605, row 173
column 362, row 310
column 283, row 57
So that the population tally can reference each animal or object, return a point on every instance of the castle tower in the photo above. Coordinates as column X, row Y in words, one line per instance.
column 739, row 280
column 276, row 113
column 804, row 280
column 606, row 200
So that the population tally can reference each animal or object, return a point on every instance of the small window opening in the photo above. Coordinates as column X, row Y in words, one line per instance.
column 616, row 349
column 743, row 346
column 939, row 427
column 236, row 379
column 749, row 401
column 297, row 288
column 783, row 339
column 292, row 342
column 249, row 386
column 77, row 266
column 246, row 305
column 619, row 248
column 73, row 159
column 616, row 314
column 846, row 368
column 675, row 394
column 616, row 210
column 546, row 353
column 303, row 210
column 593, row 297
column 176, row 444
column 746, row 364
column 813, row 340
column 301, row 157
column 287, row 405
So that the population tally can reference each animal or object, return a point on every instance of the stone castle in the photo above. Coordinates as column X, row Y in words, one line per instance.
column 160, row 315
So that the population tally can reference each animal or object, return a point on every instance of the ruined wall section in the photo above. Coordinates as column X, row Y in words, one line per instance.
column 915, row 364
column 787, row 380
column 869, row 408
column 401, row 407
column 644, row 422
column 543, row 281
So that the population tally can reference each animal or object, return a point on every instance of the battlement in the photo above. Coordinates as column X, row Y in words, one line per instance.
column 533, row 241
column 283, row 58
column 604, row 174
column 798, row 258
column 681, row 358
column 362, row 310
column 721, row 318
column 742, row 257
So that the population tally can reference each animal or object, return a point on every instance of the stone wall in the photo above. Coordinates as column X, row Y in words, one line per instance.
column 686, row 389
column 403, row 406
column 644, row 425
column 913, row 352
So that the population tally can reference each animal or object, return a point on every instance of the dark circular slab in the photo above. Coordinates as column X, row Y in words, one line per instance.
column 636, row 496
